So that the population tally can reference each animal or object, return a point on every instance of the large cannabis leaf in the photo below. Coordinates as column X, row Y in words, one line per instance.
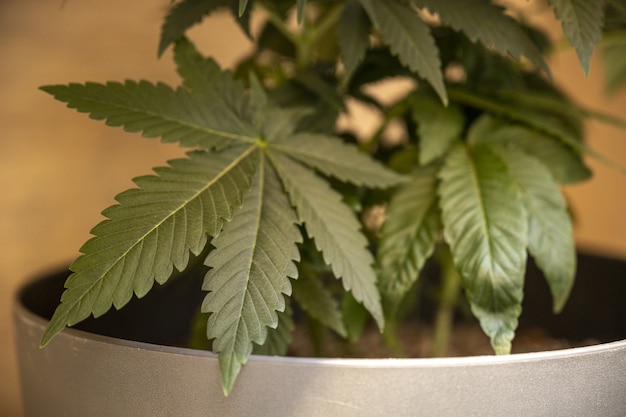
column 250, row 270
column 253, row 170
column 157, row 110
column 486, row 226
column 333, row 227
column 550, row 239
column 152, row 230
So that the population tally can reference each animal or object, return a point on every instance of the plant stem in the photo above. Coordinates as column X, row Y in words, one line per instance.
column 396, row 110
column 281, row 26
column 312, row 34
column 390, row 337
column 444, row 320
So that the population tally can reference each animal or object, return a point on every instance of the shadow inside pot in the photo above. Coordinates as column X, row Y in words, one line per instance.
column 596, row 308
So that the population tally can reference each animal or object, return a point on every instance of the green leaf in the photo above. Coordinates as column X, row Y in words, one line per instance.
column 483, row 21
column 152, row 230
column 280, row 122
column 334, row 229
column 582, row 22
column 321, row 117
column 550, row 239
column 281, row 119
column 158, row 111
column 353, row 32
column 409, row 233
column 250, row 269
column 486, row 227
column 438, row 127
column 331, row 156
column 182, row 16
column 279, row 338
column 550, row 123
column 409, row 38
column 317, row 301
column 243, row 4
column 565, row 164
column 275, row 121
column 355, row 317
column 204, row 77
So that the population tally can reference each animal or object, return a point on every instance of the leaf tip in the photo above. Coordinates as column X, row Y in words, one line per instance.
column 559, row 299
column 230, row 366
column 502, row 348
column 162, row 47
column 585, row 63
column 243, row 4
column 53, row 328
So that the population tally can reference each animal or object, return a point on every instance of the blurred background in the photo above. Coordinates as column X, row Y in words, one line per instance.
column 58, row 169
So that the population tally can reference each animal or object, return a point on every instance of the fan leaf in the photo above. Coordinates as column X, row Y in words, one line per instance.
column 582, row 22
column 483, row 21
column 486, row 227
column 550, row 238
column 409, row 234
column 152, row 231
column 409, row 38
column 334, row 229
column 331, row 156
column 158, row 111
column 250, row 269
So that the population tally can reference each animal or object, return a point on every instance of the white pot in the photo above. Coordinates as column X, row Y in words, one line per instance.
column 81, row 374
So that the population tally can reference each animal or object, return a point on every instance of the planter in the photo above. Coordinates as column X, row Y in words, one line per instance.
column 84, row 373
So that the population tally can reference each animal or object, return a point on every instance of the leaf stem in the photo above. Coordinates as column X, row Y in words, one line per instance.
column 444, row 320
column 391, row 339
column 311, row 35
column 396, row 110
column 280, row 25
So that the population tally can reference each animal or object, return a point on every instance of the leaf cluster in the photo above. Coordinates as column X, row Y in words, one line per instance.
column 276, row 193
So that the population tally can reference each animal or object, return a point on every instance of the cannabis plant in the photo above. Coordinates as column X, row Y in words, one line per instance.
column 280, row 199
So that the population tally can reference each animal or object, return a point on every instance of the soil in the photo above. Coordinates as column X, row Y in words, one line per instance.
column 416, row 342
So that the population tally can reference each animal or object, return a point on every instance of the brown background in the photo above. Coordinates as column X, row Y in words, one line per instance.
column 58, row 169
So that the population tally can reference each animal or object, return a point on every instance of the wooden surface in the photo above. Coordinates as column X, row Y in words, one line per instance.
column 58, row 169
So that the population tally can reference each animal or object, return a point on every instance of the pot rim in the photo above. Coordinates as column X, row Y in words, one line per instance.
column 19, row 310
